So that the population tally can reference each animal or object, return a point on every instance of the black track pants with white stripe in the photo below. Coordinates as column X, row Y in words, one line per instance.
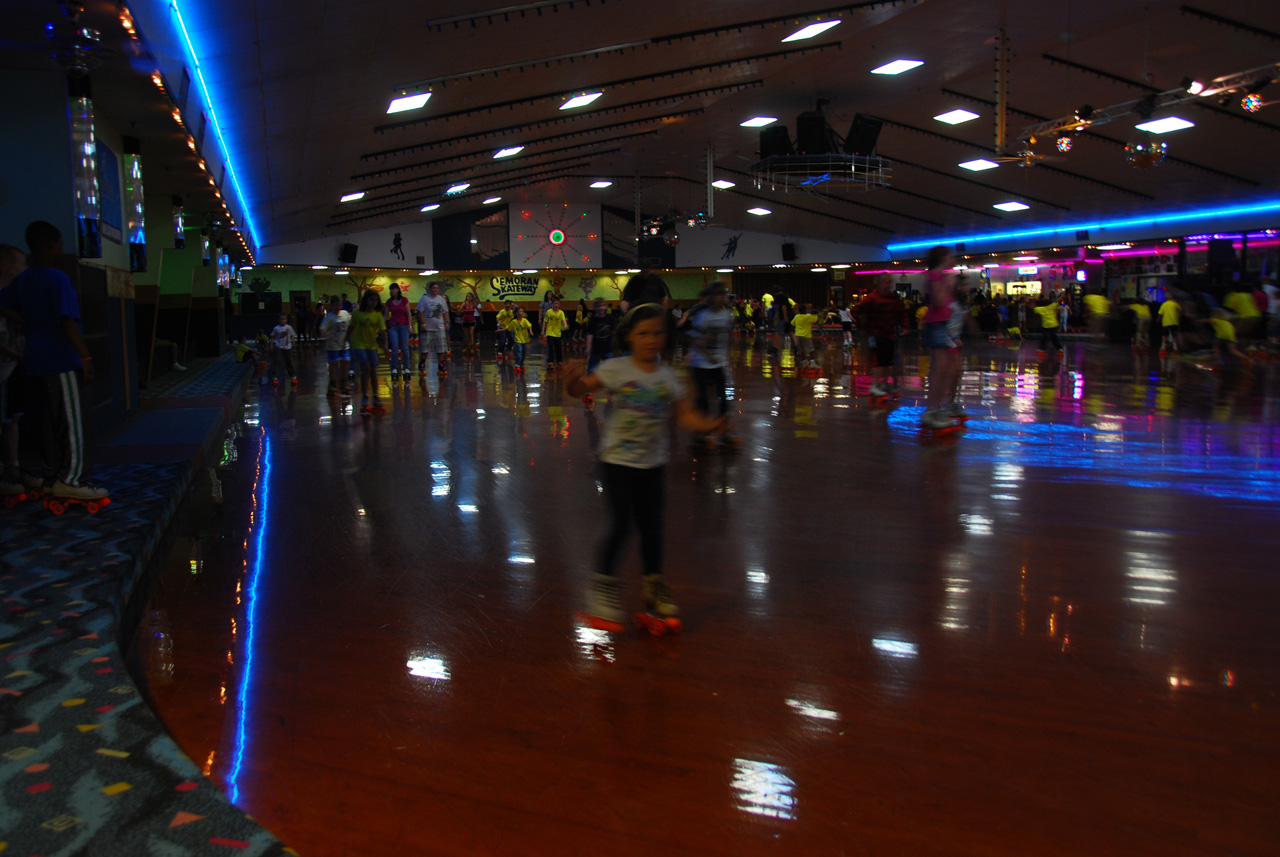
column 53, row 428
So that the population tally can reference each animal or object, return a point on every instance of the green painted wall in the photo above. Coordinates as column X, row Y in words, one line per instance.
column 176, row 267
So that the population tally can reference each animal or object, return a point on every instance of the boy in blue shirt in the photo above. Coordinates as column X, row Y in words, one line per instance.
column 44, row 299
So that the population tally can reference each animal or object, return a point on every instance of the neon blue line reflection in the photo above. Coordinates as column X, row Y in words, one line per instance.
column 1113, row 457
column 217, row 126
column 1165, row 216
column 250, row 626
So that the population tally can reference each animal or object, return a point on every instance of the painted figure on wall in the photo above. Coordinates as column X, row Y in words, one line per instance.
column 397, row 247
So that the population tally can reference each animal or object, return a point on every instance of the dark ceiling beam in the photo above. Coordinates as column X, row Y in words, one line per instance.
column 899, row 162
column 522, row 159
column 450, row 177
column 1229, row 22
column 701, row 69
column 1094, row 135
column 831, row 198
column 528, row 180
column 1201, row 103
column 1054, row 170
column 943, row 202
column 494, row 132
column 522, row 11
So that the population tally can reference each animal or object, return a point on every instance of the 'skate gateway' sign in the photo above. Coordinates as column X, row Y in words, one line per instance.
column 509, row 288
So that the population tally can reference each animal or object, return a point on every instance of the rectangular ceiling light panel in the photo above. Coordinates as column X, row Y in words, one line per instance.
column 580, row 100
column 1011, row 206
column 979, row 164
column 408, row 102
column 955, row 117
column 897, row 67
column 1165, row 125
column 810, row 31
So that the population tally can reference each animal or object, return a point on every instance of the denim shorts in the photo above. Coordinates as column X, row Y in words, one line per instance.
column 936, row 335
column 365, row 355
column 337, row 356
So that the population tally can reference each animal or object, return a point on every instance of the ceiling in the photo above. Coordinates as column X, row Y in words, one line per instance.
column 302, row 91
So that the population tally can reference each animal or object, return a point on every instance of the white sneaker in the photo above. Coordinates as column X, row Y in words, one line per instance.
column 936, row 419
column 78, row 492
column 178, row 367
column 877, row 390
column 604, row 598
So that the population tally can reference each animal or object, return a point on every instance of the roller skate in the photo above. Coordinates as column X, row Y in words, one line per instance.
column 956, row 412
column 62, row 496
column 275, row 382
column 519, row 370
column 13, row 493
column 293, row 381
column 588, row 402
column 660, row 614
column 939, row 423
column 878, row 394
column 442, row 368
column 604, row 604
column 422, row 370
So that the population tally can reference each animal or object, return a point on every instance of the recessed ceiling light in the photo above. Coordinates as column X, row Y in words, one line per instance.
column 1114, row 246
column 432, row 207
column 341, row 273
column 979, row 164
column 408, row 102
column 1011, row 206
column 529, row 271
column 427, row 273
column 759, row 211
column 897, row 66
column 475, row 240
column 810, row 31
column 601, row 184
column 622, row 272
column 955, row 117
column 352, row 197
column 759, row 121
column 508, row 152
column 580, row 100
column 818, row 270
column 723, row 184
column 1025, row 258
column 991, row 265
column 1165, row 125
column 633, row 270
column 841, row 267
column 492, row 200
column 319, row 267
column 724, row 270
column 458, row 188
column 779, row 265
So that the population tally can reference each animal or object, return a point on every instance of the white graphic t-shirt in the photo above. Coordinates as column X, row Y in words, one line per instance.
column 434, row 311
column 333, row 330
column 636, row 431
column 710, row 329
column 282, row 336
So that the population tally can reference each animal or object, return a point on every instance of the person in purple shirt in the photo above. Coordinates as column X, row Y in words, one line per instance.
column 43, row 298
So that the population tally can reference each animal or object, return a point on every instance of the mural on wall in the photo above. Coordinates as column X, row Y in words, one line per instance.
column 555, row 236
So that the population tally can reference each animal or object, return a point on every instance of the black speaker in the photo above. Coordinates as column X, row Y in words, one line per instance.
column 789, row 253
column 1222, row 255
column 863, row 133
column 813, row 135
column 347, row 253
column 775, row 141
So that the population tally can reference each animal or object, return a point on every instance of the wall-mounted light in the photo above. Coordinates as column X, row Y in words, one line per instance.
column 84, row 167
column 134, row 204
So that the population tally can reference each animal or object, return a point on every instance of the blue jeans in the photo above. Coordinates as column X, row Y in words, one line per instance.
column 519, row 353
column 398, row 347
column 594, row 360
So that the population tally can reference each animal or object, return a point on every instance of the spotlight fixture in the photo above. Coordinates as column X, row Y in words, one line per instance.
column 1145, row 106
column 1193, row 87
column 1084, row 112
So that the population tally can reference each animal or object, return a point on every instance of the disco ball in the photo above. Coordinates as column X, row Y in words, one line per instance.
column 1252, row 102
column 1064, row 144
column 1145, row 153
column 671, row 238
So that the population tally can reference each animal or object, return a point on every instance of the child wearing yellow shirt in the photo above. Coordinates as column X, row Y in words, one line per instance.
column 505, row 316
column 521, row 332
column 553, row 325
column 804, row 323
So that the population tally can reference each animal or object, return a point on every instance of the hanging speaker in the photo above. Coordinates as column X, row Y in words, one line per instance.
column 813, row 135
column 775, row 141
column 863, row 133
column 347, row 253
column 789, row 253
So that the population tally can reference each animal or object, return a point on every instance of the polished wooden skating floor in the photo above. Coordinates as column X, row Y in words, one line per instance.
column 1055, row 635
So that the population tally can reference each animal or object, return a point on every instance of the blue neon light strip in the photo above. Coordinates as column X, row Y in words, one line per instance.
column 217, row 127
column 1268, row 206
column 250, row 628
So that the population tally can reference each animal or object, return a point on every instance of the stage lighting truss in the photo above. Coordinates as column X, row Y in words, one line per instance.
column 1223, row 89
column 667, row 228
column 814, row 173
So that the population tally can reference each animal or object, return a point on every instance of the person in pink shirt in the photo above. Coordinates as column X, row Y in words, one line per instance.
column 944, row 351
column 397, row 309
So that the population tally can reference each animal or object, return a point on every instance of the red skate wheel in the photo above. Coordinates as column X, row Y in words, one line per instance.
column 55, row 507
column 93, row 508
column 673, row 624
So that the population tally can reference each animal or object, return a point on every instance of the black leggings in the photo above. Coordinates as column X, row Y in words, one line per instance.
column 555, row 350
column 1049, row 335
column 638, row 494
column 710, row 383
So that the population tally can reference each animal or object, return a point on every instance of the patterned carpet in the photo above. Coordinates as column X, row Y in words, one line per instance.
column 85, row 765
